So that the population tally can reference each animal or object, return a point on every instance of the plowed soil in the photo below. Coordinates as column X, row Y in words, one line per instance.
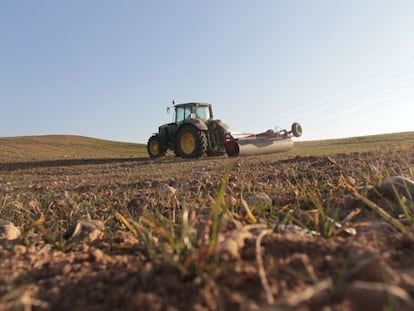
column 302, row 265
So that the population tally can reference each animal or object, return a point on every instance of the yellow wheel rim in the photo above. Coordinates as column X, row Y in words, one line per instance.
column 187, row 143
column 154, row 147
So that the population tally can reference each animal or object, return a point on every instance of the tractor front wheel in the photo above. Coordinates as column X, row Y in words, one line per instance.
column 191, row 142
column 155, row 147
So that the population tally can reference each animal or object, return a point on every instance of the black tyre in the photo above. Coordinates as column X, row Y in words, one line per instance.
column 191, row 142
column 156, row 147
column 217, row 137
column 296, row 129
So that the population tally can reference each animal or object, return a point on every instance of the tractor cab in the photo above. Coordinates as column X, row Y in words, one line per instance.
column 190, row 111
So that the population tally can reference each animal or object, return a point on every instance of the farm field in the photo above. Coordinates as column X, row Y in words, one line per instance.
column 96, row 225
column 65, row 147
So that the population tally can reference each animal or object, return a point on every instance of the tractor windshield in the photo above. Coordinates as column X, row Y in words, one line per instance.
column 203, row 112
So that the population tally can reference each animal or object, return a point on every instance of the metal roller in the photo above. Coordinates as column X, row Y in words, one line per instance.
column 263, row 143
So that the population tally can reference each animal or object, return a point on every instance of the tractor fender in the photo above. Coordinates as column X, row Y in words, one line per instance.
column 194, row 122
column 163, row 129
column 222, row 124
column 163, row 133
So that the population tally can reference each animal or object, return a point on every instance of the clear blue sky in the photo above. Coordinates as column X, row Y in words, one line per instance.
column 109, row 69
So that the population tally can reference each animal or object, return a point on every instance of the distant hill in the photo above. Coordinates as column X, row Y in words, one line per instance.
column 65, row 147
column 353, row 144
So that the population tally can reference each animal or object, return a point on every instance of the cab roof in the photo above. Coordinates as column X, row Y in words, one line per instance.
column 192, row 104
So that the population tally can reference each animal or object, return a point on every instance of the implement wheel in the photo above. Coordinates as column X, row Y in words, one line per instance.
column 296, row 129
column 155, row 147
column 191, row 142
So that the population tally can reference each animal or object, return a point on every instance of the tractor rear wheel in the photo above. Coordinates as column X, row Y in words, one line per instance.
column 191, row 142
column 217, row 139
column 156, row 147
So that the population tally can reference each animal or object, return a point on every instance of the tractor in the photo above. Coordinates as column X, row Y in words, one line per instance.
column 193, row 133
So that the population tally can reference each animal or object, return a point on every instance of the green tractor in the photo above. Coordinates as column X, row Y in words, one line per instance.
column 193, row 133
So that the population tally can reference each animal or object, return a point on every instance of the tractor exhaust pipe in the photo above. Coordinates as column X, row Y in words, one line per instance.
column 263, row 143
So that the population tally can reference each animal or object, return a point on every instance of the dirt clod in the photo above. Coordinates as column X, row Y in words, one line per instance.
column 8, row 231
column 378, row 296
column 397, row 186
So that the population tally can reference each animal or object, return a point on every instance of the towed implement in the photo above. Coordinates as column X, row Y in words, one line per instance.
column 194, row 133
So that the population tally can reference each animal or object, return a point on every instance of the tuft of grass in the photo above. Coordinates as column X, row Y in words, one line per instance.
column 187, row 242
column 379, row 210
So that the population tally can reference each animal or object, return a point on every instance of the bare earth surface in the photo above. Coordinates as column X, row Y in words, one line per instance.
column 293, row 233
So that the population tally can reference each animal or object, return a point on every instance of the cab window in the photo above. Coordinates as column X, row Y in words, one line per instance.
column 203, row 113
